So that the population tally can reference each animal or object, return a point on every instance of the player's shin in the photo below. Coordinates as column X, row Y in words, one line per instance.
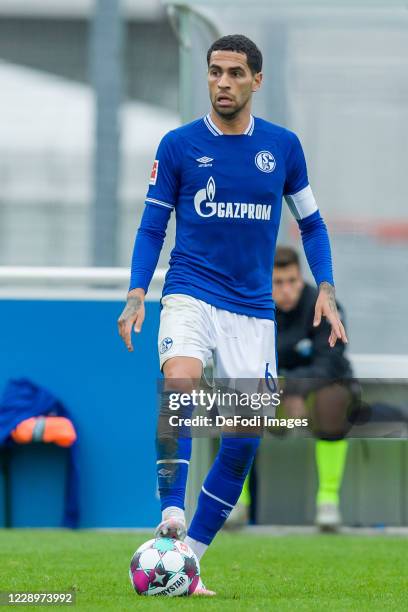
column 173, row 448
column 221, row 490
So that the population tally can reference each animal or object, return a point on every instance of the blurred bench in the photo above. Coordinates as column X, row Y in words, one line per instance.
column 375, row 485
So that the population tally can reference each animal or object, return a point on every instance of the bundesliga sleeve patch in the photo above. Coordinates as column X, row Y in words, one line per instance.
column 155, row 170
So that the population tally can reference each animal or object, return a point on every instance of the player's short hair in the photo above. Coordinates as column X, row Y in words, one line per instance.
column 286, row 256
column 240, row 44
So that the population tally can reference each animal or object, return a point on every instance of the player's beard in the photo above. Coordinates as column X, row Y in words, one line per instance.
column 229, row 114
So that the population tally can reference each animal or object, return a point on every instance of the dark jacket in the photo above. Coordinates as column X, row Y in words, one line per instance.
column 303, row 350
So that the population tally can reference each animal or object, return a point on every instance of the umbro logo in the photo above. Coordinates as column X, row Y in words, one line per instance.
column 205, row 162
column 165, row 473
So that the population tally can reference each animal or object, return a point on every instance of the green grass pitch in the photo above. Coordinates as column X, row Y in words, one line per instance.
column 308, row 572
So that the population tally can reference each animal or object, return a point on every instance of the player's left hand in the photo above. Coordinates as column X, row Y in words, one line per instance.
column 326, row 307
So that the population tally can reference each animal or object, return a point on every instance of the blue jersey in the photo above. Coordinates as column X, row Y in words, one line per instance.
column 227, row 194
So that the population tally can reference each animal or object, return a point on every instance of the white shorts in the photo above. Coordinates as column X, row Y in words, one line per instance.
column 241, row 346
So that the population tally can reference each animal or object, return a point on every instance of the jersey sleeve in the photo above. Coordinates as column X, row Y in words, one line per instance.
column 302, row 204
column 148, row 244
column 297, row 191
column 164, row 178
column 296, row 170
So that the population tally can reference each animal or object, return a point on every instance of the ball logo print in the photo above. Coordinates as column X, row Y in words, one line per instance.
column 165, row 567
column 265, row 161
column 165, row 345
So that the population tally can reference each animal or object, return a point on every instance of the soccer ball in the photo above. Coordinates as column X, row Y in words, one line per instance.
column 164, row 566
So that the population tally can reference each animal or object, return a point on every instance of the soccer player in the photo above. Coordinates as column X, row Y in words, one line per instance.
column 224, row 175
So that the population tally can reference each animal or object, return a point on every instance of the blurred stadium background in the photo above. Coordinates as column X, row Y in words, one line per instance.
column 87, row 89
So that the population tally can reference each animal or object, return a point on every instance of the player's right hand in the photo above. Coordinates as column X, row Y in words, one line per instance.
column 132, row 316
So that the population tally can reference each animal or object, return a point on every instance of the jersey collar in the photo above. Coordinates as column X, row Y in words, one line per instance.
column 217, row 132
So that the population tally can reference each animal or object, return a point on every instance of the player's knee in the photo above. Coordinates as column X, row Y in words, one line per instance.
column 330, row 415
column 182, row 374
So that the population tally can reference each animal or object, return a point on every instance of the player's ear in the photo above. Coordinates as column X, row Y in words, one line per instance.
column 257, row 81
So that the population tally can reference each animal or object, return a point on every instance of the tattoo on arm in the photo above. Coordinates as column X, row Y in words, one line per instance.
column 132, row 306
column 331, row 294
column 134, row 303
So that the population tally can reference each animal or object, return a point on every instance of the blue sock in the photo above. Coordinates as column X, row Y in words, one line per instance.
column 222, row 487
column 173, row 449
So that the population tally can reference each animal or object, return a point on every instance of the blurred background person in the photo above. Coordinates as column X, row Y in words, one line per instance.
column 309, row 367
